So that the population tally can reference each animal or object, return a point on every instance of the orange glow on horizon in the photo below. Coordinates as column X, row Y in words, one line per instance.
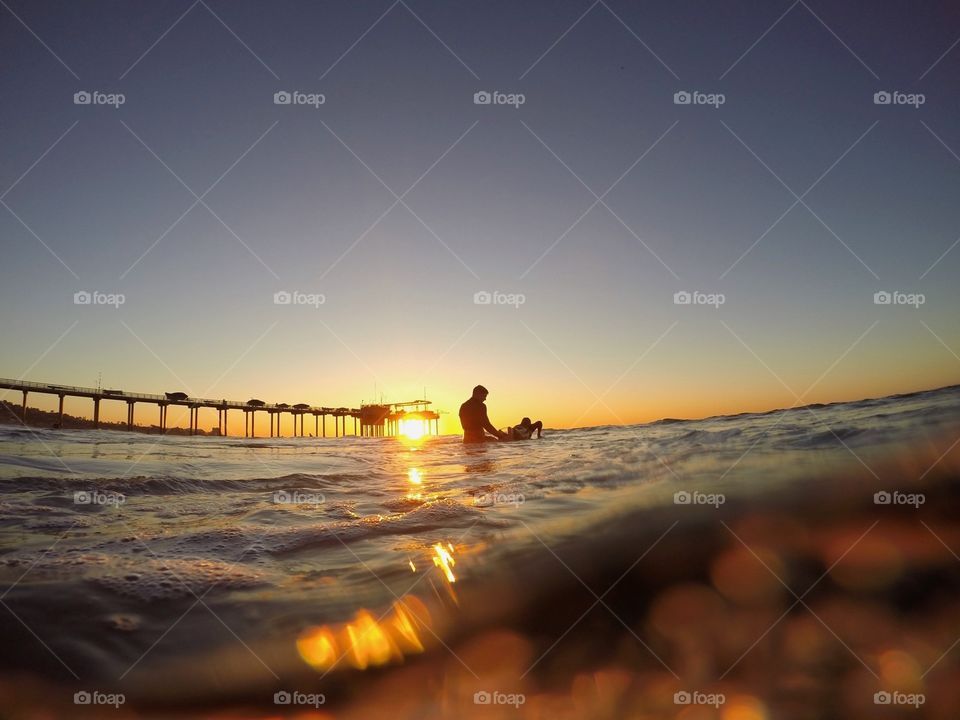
column 680, row 391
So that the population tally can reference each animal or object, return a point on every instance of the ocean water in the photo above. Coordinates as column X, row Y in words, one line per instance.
column 123, row 555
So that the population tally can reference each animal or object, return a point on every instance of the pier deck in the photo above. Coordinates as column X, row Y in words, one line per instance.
column 222, row 406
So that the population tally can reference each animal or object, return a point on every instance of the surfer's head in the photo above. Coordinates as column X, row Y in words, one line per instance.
column 526, row 422
column 480, row 392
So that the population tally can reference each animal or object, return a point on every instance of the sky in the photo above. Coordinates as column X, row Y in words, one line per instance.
column 579, row 202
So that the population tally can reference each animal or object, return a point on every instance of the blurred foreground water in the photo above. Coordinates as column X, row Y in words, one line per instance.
column 795, row 564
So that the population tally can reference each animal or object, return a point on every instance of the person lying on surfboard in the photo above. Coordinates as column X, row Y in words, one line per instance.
column 525, row 430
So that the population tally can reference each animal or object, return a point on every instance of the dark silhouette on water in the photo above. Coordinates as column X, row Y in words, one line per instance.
column 473, row 418
column 525, row 430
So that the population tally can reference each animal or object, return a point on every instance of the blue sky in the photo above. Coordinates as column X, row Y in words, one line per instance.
column 491, row 198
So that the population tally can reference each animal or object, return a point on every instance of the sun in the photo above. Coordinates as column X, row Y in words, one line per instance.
column 412, row 429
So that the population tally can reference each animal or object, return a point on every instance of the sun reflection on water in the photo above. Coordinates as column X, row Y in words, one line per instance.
column 367, row 641
column 415, row 478
column 443, row 559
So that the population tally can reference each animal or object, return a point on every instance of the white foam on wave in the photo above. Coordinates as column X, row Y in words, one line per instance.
column 165, row 579
column 143, row 577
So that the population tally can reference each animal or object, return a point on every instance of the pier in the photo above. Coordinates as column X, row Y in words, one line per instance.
column 385, row 420
column 249, row 408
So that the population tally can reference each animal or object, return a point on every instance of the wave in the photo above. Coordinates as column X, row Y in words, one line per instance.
column 444, row 514
column 252, row 542
column 143, row 485
column 826, row 438
column 148, row 578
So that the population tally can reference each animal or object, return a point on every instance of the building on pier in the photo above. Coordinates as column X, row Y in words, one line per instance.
column 380, row 420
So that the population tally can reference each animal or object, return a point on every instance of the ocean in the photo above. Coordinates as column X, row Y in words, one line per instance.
column 365, row 577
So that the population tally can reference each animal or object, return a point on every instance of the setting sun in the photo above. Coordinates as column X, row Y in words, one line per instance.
column 413, row 429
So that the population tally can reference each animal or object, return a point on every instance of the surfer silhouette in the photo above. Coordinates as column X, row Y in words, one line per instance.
column 474, row 420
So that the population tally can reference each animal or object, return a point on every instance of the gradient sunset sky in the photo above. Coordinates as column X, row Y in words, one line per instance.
column 597, row 200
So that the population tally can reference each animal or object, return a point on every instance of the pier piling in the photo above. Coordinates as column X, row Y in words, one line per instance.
column 194, row 404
